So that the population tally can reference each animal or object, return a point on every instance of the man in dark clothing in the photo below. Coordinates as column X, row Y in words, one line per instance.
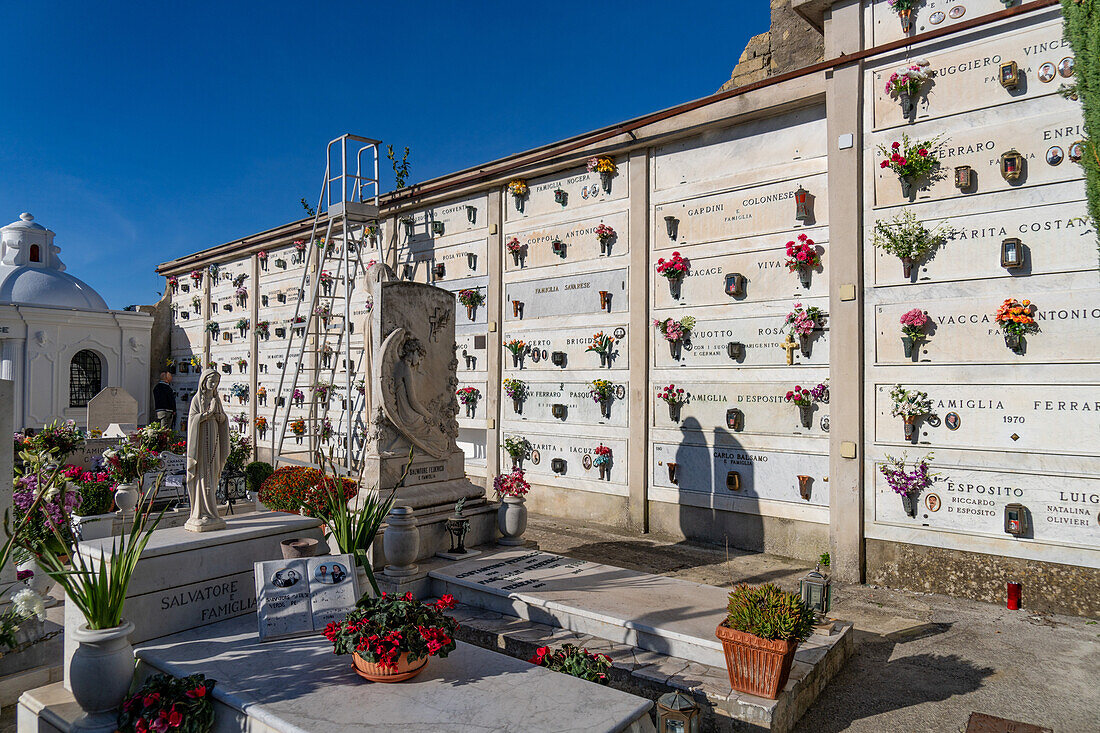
column 164, row 401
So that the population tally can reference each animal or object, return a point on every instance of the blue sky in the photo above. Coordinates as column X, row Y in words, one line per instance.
column 142, row 132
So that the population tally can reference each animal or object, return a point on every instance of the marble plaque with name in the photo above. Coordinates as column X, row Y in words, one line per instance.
column 578, row 407
column 754, row 148
column 1033, row 418
column 978, row 140
column 765, row 276
column 744, row 212
column 762, row 337
column 928, row 16
column 578, row 242
column 282, row 598
column 1062, row 509
column 111, row 406
column 566, row 296
column 581, row 189
column 480, row 313
column 965, row 77
column 1055, row 237
column 459, row 260
column 474, row 413
column 576, row 453
column 455, row 216
column 963, row 331
column 527, row 572
column 546, row 345
column 760, row 474
column 758, row 408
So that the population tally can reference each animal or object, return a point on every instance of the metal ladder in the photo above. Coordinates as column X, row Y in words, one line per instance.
column 347, row 212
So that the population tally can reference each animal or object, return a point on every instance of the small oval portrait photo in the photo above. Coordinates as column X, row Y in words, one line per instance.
column 285, row 578
column 957, row 12
column 1055, row 155
column 936, row 18
column 1077, row 151
column 330, row 573
column 1065, row 67
column 1047, row 72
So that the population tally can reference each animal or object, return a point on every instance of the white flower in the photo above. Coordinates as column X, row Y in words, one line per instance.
column 28, row 603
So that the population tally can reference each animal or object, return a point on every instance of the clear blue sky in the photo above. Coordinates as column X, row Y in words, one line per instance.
column 140, row 132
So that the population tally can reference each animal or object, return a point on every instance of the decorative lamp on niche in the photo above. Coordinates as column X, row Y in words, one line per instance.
column 803, row 205
column 439, row 271
column 677, row 713
column 558, row 247
column 735, row 284
column 816, row 591
column 735, row 419
column 1012, row 165
column 1012, row 253
column 1009, row 75
column 471, row 214
column 557, row 465
column 733, row 480
column 557, row 358
column 437, row 228
column 964, row 177
column 735, row 349
column 557, row 410
column 410, row 224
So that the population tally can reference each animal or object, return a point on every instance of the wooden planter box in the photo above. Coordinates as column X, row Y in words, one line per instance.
column 756, row 666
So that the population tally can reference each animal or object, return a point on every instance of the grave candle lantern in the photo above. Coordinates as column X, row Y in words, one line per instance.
column 964, row 177
column 1009, row 75
column 558, row 411
column 407, row 272
column 815, row 589
column 1012, row 165
column 802, row 205
column 557, row 465
column 735, row 349
column 557, row 358
column 1012, row 253
column 410, row 224
column 471, row 214
column 733, row 480
column 439, row 271
column 437, row 228
column 677, row 713
column 735, row 419
column 671, row 225
column 1016, row 523
column 735, row 284
column 558, row 247
column 560, row 196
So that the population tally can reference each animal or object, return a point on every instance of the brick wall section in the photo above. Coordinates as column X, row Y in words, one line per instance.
column 791, row 43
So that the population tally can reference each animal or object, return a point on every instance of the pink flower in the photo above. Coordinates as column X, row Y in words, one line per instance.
column 884, row 164
column 895, row 146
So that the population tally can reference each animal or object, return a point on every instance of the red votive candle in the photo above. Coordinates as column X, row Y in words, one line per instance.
column 1013, row 596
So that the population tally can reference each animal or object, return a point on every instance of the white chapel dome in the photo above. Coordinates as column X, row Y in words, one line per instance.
column 31, row 273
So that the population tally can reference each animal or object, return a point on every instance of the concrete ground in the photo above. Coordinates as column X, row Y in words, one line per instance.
column 923, row 662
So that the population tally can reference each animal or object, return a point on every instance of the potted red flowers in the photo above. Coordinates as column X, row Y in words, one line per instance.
column 391, row 637
column 166, row 703
column 912, row 160
column 673, row 269
column 803, row 257
column 760, row 635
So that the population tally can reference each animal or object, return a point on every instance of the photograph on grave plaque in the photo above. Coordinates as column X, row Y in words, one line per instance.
column 303, row 595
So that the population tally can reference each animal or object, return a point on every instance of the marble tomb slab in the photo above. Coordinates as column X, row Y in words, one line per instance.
column 762, row 337
column 566, row 296
column 666, row 615
column 764, row 409
column 578, row 237
column 302, row 686
column 572, row 342
column 582, row 189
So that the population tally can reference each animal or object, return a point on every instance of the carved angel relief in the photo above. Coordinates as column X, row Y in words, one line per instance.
column 402, row 395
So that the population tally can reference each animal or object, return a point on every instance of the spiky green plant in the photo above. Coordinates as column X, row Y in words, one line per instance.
column 769, row 612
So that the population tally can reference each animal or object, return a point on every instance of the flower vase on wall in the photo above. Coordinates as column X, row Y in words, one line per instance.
column 806, row 415
column 806, row 344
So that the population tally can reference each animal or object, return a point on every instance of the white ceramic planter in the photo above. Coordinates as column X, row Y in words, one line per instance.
column 93, row 527
column 512, row 520
column 40, row 583
column 126, row 498
column 100, row 673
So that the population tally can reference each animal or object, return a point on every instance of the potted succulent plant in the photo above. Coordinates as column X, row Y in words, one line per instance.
column 512, row 515
column 908, row 484
column 391, row 637
column 759, row 636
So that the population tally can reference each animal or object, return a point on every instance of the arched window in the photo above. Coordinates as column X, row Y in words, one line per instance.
column 85, row 378
column 36, row 253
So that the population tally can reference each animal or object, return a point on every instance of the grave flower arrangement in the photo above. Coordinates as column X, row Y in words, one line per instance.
column 601, row 458
column 514, row 246
column 298, row 427
column 25, row 604
column 391, row 637
column 675, row 331
column 605, row 235
column 261, row 424
column 904, row 9
column 166, row 703
column 196, row 303
column 511, row 484
column 240, row 420
column 908, row 239
column 324, row 312
column 909, row 405
column 325, row 279
column 800, row 397
column 95, row 488
column 196, row 275
column 517, row 390
column 912, row 328
column 572, row 660
column 519, row 190
column 59, row 438
column 128, row 461
column 299, row 246
column 240, row 391
column 238, row 280
column 321, row 390
column 263, row 329
column 674, row 268
column 173, row 282
column 213, row 327
column 196, row 363
column 361, row 386
column 242, row 325
column 261, row 255
column 602, row 390
column 1015, row 319
column 906, row 84
column 802, row 257
column 602, row 345
column 908, row 484
column 805, row 399
column 242, row 295
column 672, row 395
column 471, row 298
column 603, row 165
column 517, row 447
column 326, row 430
column 518, row 348
column 803, row 320
column 294, row 488
column 912, row 160
column 469, row 396
column 41, row 505
column 297, row 396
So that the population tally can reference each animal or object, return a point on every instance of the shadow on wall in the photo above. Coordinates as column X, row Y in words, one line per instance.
column 705, row 478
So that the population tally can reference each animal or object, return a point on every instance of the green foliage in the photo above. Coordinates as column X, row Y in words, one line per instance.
column 1082, row 30
column 906, row 236
column 183, row 704
column 769, row 612
column 400, row 167
column 824, row 560
column 573, row 660
column 308, row 209
column 256, row 473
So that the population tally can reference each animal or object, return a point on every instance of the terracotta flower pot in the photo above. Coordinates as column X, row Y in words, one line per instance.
column 377, row 673
column 756, row 666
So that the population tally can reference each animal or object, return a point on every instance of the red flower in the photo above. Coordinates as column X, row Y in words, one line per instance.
column 446, row 601
column 923, row 152
column 896, row 145
column 540, row 655
column 141, row 726
column 884, row 164
column 175, row 718
column 150, row 699
column 199, row 691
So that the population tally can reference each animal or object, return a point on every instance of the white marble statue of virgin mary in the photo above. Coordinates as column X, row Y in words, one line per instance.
column 207, row 452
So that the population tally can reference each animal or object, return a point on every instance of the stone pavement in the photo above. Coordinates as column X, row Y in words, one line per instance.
column 923, row 662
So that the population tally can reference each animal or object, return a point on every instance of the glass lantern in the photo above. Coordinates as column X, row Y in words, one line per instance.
column 677, row 713
column 815, row 588
column 802, row 205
